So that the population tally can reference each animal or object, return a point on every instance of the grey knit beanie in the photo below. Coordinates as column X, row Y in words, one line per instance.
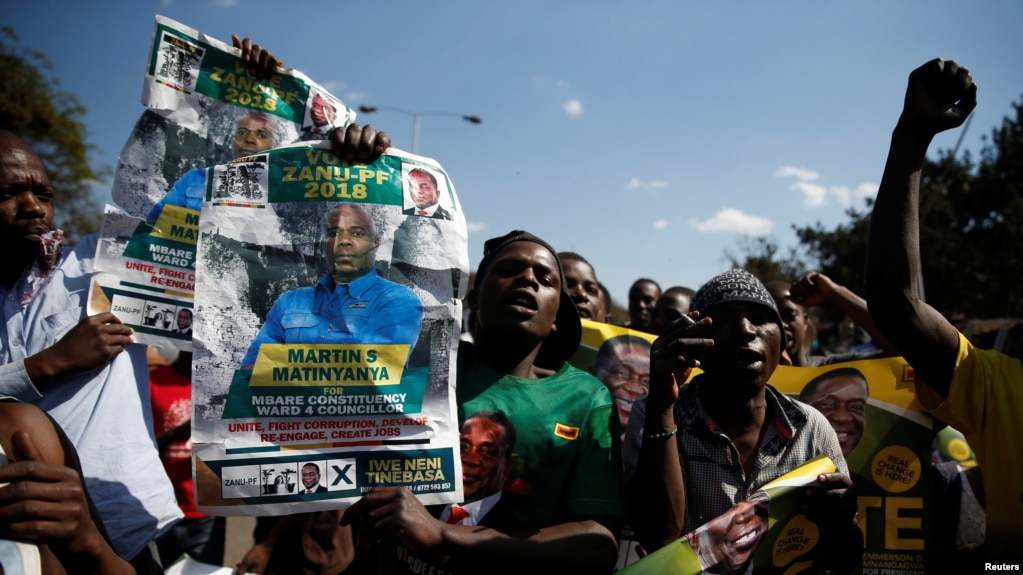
column 735, row 285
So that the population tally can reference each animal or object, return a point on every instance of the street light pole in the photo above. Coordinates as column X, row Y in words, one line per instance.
column 415, row 132
column 416, row 118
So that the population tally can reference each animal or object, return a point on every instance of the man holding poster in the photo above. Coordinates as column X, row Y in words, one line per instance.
column 352, row 304
column 566, row 446
column 710, row 443
column 83, row 370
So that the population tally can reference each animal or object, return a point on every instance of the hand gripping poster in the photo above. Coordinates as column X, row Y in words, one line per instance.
column 203, row 108
column 327, row 322
column 768, row 532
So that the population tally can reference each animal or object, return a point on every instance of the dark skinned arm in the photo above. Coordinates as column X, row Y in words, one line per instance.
column 362, row 144
column 355, row 143
column 257, row 558
column 656, row 497
column 940, row 96
column 44, row 502
column 94, row 342
column 834, row 509
column 816, row 289
column 261, row 62
column 585, row 546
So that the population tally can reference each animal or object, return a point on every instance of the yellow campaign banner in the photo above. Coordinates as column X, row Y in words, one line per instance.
column 620, row 358
column 887, row 440
column 317, row 365
column 768, row 532
column 596, row 334
column 803, row 474
column 178, row 224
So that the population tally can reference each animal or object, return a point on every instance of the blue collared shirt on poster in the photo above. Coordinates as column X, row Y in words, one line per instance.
column 187, row 192
column 105, row 412
column 369, row 309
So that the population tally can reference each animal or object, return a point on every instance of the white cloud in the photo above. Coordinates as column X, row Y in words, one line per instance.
column 817, row 195
column 660, row 224
column 798, row 173
column 865, row 190
column 846, row 197
column 354, row 96
column 226, row 2
column 814, row 195
column 334, row 87
column 475, row 226
column 842, row 195
column 733, row 220
column 637, row 184
column 573, row 108
column 546, row 82
column 166, row 3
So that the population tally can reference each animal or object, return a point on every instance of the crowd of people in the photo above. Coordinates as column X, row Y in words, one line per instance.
column 555, row 461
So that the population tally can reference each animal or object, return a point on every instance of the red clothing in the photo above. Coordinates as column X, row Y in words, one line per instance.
column 171, row 396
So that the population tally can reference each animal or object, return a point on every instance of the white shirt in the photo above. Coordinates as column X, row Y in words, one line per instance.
column 105, row 412
column 428, row 211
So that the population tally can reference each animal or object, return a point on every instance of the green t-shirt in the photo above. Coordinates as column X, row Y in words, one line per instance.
column 567, row 454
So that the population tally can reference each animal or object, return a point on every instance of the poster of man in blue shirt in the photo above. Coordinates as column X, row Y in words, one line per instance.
column 255, row 133
column 352, row 304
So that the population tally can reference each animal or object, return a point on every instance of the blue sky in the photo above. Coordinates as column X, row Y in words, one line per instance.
column 647, row 136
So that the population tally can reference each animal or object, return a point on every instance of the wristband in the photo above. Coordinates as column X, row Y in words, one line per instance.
column 661, row 435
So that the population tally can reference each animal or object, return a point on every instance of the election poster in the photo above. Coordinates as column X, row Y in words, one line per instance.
column 203, row 107
column 768, row 532
column 887, row 441
column 145, row 274
column 327, row 323
column 620, row 358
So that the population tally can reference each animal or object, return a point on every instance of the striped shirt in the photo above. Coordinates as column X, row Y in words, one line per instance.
column 714, row 478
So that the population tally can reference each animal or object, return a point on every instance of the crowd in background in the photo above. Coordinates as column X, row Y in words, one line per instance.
column 556, row 460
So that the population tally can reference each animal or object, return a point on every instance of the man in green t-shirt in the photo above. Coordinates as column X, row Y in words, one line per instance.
column 567, row 467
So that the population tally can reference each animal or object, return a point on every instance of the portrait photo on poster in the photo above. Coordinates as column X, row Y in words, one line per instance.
column 321, row 113
column 382, row 312
column 424, row 192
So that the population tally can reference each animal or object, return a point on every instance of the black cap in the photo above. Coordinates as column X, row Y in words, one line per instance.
column 561, row 343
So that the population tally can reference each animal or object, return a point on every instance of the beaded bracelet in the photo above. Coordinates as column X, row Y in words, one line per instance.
column 662, row 435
